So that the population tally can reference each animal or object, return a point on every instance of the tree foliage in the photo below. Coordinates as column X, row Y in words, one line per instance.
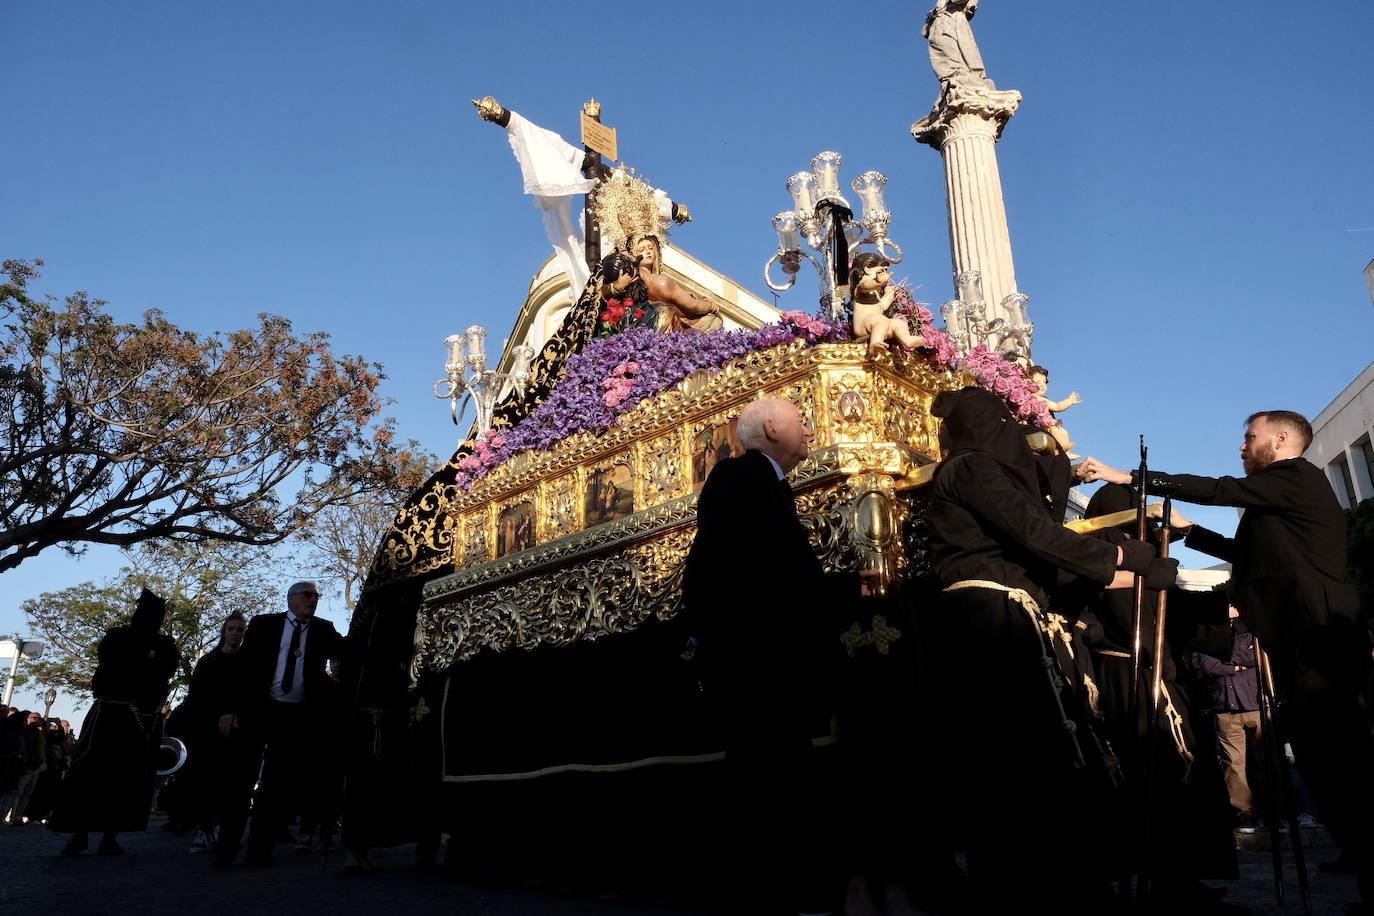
column 203, row 583
column 118, row 433
column 342, row 539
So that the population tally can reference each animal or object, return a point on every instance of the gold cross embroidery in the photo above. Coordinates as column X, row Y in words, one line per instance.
column 881, row 637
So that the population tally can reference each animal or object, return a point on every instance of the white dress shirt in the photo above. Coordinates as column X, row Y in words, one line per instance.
column 297, row 692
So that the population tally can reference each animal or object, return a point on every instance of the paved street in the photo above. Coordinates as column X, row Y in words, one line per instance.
column 158, row 876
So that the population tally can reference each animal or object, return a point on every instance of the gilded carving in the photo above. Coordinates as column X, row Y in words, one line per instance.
column 875, row 524
column 664, row 476
column 610, row 593
column 476, row 548
column 560, row 504
column 850, row 395
column 615, row 511
column 876, row 456
column 614, row 535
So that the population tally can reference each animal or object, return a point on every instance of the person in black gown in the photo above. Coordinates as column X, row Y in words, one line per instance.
column 110, row 784
column 1019, row 727
column 220, row 761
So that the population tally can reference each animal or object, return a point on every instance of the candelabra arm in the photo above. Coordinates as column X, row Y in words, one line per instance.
column 883, row 243
column 790, row 274
column 457, row 409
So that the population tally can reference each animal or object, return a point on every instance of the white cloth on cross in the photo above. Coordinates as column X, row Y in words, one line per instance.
column 552, row 170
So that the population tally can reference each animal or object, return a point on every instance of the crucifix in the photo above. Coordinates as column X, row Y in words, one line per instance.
column 555, row 171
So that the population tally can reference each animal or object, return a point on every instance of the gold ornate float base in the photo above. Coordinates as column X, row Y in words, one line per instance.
column 589, row 538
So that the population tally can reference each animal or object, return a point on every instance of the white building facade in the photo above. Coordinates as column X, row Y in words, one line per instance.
column 1341, row 441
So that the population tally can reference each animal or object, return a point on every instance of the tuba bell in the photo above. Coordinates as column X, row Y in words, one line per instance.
column 171, row 756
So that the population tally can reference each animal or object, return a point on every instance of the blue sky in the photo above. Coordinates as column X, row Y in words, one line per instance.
column 1188, row 185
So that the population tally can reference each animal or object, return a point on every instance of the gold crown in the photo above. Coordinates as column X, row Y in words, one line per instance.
column 627, row 210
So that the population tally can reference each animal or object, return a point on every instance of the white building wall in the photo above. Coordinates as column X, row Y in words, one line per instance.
column 1337, row 434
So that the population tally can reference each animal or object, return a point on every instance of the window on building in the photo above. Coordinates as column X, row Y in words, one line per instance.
column 1366, row 451
column 1345, row 487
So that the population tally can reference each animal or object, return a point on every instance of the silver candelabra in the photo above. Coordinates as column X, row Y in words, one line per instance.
column 818, row 207
column 967, row 323
column 467, row 375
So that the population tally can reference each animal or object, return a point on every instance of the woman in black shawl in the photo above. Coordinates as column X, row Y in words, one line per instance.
column 110, row 784
column 219, row 756
column 1023, row 736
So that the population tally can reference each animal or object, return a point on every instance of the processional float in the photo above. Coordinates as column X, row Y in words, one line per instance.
column 525, row 601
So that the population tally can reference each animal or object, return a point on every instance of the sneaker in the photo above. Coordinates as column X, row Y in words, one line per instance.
column 1307, row 821
column 1246, row 823
column 200, row 842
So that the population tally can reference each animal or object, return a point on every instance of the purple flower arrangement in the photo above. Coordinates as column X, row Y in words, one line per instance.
column 1008, row 381
column 940, row 345
column 611, row 375
column 992, row 370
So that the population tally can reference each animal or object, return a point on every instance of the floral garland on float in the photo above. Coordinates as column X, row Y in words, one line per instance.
column 613, row 374
column 1007, row 379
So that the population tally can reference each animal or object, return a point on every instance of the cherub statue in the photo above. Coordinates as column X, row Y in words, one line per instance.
column 1040, row 378
column 869, row 282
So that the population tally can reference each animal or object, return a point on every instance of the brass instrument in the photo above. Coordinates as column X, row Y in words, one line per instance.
column 171, row 755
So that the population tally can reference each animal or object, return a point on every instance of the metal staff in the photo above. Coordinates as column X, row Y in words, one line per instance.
column 1279, row 778
column 1137, row 643
column 1156, row 697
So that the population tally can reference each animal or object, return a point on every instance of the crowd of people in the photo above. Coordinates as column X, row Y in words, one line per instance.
column 1060, row 797
column 34, row 755
column 1063, row 801
column 263, row 708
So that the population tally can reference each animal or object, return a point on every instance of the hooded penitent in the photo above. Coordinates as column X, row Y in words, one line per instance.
column 148, row 612
column 976, row 420
column 1113, row 497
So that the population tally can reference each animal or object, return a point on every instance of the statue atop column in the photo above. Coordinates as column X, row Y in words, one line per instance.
column 965, row 125
column 964, row 83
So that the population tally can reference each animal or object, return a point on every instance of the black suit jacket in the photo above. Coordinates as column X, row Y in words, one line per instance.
column 1288, row 556
column 261, row 645
column 759, row 600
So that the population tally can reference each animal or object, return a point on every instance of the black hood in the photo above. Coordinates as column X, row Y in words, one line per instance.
column 148, row 613
column 976, row 420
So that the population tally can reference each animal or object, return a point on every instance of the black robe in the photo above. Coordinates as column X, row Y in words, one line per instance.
column 766, row 614
column 1027, row 781
column 110, row 784
column 215, row 761
column 1191, row 815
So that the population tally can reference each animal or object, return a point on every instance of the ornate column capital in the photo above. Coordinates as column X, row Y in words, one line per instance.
column 946, row 120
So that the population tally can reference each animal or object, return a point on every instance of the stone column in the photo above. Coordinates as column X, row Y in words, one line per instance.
column 965, row 128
